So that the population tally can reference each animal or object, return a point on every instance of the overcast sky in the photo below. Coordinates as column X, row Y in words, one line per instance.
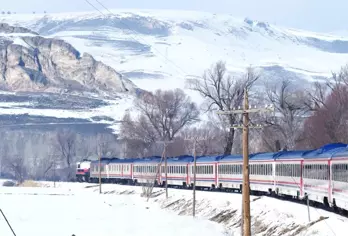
column 316, row 15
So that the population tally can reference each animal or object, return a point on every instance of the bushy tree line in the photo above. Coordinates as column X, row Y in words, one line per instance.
column 34, row 154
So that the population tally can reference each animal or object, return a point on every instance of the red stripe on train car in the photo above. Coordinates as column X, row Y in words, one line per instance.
column 131, row 170
column 216, row 174
column 301, row 179
column 187, row 174
column 340, row 190
column 330, row 188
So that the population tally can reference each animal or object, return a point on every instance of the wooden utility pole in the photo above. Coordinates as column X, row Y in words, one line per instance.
column 194, row 178
column 165, row 144
column 166, row 167
column 100, row 190
column 54, row 171
column 246, row 184
column 195, row 140
column 158, row 172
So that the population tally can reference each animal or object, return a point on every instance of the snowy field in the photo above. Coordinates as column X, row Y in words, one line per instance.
column 70, row 208
column 58, row 212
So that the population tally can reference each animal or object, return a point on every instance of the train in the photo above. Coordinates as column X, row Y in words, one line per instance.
column 319, row 175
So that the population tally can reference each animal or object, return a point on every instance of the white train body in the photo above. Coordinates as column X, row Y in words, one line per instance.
column 320, row 174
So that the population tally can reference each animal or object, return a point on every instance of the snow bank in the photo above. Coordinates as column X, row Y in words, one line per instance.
column 270, row 216
column 121, row 210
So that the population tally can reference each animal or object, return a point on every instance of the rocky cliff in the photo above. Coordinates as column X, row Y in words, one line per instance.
column 29, row 62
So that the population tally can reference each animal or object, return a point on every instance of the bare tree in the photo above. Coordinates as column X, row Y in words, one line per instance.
column 210, row 136
column 329, row 122
column 106, row 144
column 291, row 108
column 167, row 112
column 163, row 115
column 329, row 105
column 16, row 165
column 138, row 136
column 223, row 92
column 65, row 144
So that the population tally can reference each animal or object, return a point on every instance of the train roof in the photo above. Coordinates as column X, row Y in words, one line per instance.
column 103, row 160
column 122, row 160
column 229, row 158
column 155, row 159
column 326, row 151
column 343, row 152
column 181, row 159
column 284, row 155
column 262, row 156
column 212, row 158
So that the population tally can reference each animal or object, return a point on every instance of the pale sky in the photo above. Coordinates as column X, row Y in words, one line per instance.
column 315, row 15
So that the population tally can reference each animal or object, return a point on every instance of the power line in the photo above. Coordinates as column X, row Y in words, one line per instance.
column 178, row 69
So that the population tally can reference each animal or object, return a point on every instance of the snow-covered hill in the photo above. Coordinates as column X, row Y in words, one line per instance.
column 162, row 48
column 158, row 48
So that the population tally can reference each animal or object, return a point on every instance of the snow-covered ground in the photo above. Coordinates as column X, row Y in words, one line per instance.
column 71, row 208
column 58, row 212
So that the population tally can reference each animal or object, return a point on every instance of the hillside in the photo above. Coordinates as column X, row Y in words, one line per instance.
column 46, row 82
column 161, row 49
column 31, row 63
column 158, row 49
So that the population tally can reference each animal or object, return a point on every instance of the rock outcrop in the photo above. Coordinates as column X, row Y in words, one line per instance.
column 34, row 63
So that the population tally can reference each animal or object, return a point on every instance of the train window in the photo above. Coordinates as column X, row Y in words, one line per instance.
column 340, row 173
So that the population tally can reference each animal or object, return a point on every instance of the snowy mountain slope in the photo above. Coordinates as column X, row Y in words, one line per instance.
column 157, row 49
column 46, row 82
column 161, row 48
